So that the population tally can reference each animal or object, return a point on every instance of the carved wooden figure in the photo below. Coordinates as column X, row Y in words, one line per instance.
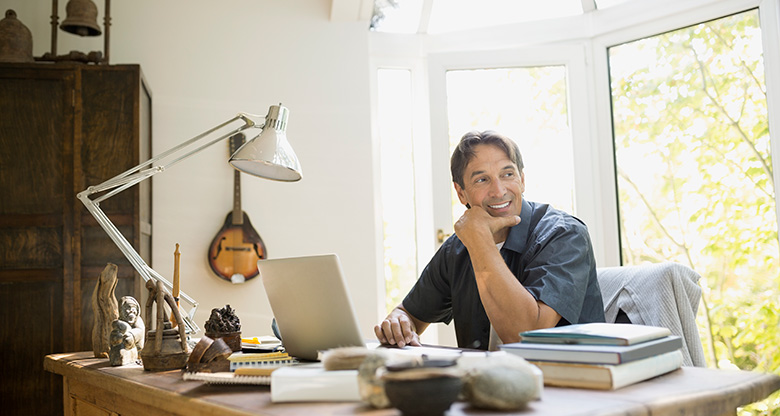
column 166, row 348
column 104, row 307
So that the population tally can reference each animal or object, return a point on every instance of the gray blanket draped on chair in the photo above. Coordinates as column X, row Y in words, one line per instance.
column 665, row 294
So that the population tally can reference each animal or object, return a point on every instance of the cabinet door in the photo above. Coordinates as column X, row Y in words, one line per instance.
column 36, row 314
column 107, row 144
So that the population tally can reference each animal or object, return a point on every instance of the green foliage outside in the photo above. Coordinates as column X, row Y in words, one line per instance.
column 695, row 180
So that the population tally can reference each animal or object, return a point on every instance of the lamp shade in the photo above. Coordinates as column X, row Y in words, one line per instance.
column 269, row 155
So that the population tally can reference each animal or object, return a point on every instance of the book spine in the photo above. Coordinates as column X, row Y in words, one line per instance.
column 608, row 377
column 234, row 365
column 640, row 370
column 582, row 357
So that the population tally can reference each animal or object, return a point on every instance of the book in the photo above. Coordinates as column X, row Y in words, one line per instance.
column 258, row 371
column 593, row 354
column 608, row 376
column 254, row 360
column 312, row 383
column 227, row 378
column 263, row 344
column 597, row 333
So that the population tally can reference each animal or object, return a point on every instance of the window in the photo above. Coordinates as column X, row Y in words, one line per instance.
column 527, row 104
column 398, row 184
column 695, row 178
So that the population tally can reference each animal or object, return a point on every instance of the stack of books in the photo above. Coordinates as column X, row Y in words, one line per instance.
column 246, row 368
column 240, row 362
column 599, row 355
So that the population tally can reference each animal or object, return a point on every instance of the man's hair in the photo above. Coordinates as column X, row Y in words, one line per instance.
column 464, row 152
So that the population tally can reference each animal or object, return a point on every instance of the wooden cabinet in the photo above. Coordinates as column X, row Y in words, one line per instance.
column 63, row 127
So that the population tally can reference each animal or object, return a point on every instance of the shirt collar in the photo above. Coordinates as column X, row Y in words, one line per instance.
column 518, row 235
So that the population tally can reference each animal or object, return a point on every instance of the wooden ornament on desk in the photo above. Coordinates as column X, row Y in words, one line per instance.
column 176, row 260
column 209, row 356
column 166, row 348
column 224, row 324
column 104, row 307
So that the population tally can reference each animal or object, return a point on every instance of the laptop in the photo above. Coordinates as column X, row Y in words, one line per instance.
column 312, row 308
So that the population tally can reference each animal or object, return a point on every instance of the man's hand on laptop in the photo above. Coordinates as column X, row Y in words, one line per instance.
column 397, row 329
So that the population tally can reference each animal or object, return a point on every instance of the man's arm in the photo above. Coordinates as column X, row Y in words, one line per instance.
column 509, row 306
column 400, row 328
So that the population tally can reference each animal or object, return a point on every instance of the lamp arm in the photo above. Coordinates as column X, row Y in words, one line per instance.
column 138, row 174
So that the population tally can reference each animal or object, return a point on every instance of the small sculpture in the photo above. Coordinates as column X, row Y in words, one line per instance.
column 344, row 358
column 129, row 310
column 209, row 356
column 422, row 387
column 500, row 382
column 123, row 348
column 167, row 348
column 223, row 320
column 104, row 309
column 223, row 323
column 370, row 384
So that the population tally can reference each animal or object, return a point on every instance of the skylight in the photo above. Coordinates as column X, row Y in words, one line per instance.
column 454, row 15
column 443, row 16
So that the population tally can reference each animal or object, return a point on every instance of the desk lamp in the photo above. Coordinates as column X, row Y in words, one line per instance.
column 268, row 155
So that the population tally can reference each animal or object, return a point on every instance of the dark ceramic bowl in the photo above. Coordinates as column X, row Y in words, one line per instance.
column 427, row 396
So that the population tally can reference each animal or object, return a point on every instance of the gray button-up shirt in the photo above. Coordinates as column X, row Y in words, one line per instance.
column 549, row 252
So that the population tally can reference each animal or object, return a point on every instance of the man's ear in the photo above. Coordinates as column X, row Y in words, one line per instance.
column 522, row 182
column 461, row 195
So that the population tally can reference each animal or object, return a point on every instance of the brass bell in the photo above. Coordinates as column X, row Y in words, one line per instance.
column 15, row 39
column 81, row 19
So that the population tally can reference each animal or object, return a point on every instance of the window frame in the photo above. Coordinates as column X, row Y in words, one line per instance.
column 423, row 194
column 572, row 57
column 581, row 43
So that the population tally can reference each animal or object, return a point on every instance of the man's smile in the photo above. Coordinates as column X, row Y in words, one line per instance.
column 500, row 206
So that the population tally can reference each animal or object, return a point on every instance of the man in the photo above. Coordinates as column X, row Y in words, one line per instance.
column 512, row 265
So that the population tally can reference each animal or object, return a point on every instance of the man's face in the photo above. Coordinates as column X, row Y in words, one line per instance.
column 493, row 182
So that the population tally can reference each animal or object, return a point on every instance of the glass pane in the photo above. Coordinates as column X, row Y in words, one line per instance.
column 397, row 170
column 455, row 15
column 529, row 105
column 695, row 182
column 605, row 4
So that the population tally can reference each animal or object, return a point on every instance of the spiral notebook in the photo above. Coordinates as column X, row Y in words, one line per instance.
column 309, row 299
column 227, row 378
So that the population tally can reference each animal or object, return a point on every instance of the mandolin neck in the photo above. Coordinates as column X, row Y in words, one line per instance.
column 238, row 217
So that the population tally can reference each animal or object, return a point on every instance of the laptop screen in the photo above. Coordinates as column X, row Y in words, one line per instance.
column 309, row 299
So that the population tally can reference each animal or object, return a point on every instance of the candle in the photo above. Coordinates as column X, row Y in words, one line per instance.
column 176, row 256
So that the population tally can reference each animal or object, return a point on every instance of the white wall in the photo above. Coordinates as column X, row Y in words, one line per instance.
column 205, row 61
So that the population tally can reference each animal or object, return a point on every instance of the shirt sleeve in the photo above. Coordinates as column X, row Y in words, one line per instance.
column 560, row 265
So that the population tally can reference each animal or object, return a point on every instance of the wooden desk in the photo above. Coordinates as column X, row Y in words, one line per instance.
column 93, row 387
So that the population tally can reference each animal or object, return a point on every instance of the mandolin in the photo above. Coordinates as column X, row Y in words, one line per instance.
column 234, row 252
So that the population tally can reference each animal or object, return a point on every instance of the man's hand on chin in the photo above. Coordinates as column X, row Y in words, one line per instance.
column 477, row 225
